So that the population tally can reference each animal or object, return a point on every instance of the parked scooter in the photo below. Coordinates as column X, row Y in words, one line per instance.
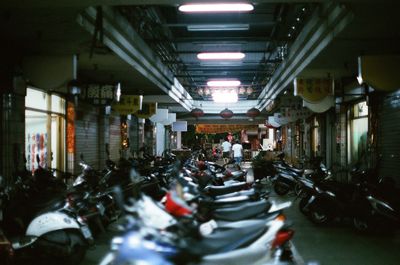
column 367, row 205
column 50, row 232
column 288, row 177
column 228, row 243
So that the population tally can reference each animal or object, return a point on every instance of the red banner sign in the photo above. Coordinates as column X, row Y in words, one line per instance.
column 221, row 128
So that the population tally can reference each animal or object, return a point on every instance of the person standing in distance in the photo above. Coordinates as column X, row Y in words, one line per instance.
column 237, row 149
column 226, row 151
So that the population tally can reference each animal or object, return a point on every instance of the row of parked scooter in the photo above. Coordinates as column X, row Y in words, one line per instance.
column 371, row 203
column 208, row 215
column 43, row 219
column 195, row 213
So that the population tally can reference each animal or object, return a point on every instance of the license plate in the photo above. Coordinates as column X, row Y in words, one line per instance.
column 86, row 232
column 101, row 208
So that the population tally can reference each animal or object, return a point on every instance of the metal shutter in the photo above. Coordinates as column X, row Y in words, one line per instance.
column 389, row 136
column 86, row 136
column 115, row 137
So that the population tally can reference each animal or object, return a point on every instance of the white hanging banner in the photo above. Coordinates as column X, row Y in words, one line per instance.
column 281, row 119
column 271, row 121
column 179, row 126
column 171, row 118
column 296, row 113
column 322, row 106
column 161, row 115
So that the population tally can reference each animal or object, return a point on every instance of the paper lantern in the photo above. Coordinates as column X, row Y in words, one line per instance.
column 252, row 113
column 197, row 112
column 226, row 113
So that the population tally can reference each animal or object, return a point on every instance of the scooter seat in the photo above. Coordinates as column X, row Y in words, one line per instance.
column 49, row 206
column 243, row 211
column 230, row 237
column 250, row 192
column 238, row 174
column 296, row 170
column 220, row 190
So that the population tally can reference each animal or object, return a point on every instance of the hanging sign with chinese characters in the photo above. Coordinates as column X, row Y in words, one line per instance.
column 148, row 110
column 128, row 104
column 313, row 90
column 99, row 94
column 294, row 114
column 281, row 119
column 222, row 128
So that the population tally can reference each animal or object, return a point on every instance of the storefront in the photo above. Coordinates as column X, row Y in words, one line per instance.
column 357, row 136
column 44, row 130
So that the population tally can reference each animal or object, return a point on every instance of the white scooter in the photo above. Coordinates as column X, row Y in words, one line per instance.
column 55, row 233
column 260, row 248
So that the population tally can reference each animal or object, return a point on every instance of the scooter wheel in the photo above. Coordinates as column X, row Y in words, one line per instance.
column 281, row 189
column 78, row 249
column 319, row 216
column 297, row 189
column 302, row 205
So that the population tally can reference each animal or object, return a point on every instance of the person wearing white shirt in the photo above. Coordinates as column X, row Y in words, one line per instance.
column 237, row 149
column 226, row 151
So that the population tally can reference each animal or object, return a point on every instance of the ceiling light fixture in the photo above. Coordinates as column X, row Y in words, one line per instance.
column 215, row 8
column 223, row 83
column 220, row 56
column 225, row 96
column 218, row 27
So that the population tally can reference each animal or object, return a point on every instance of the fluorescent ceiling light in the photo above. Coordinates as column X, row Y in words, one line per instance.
column 220, row 56
column 218, row 27
column 225, row 96
column 214, row 8
column 224, row 83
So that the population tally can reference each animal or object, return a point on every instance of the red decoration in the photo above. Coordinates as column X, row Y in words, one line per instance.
column 253, row 112
column 226, row 113
column 197, row 112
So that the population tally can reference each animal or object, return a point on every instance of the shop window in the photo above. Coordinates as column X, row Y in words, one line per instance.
column 358, row 132
column 44, row 130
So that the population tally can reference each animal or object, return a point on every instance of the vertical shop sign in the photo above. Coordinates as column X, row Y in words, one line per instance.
column 128, row 104
column 70, row 128
column 148, row 110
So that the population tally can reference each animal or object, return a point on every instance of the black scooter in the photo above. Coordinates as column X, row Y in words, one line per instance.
column 369, row 206
column 289, row 178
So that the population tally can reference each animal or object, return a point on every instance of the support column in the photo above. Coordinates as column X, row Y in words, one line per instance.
column 178, row 140
column 160, row 138
column 13, row 134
